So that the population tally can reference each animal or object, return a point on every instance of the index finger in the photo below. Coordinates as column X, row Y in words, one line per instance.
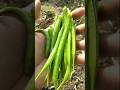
column 78, row 12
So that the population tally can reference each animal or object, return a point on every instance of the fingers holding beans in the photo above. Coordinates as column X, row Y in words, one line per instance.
column 77, row 13
column 81, row 45
column 80, row 58
column 80, row 29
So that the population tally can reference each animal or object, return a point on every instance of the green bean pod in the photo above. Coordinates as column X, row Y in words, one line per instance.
column 73, row 32
column 47, row 49
column 52, row 55
column 50, row 66
column 55, row 22
column 65, row 11
column 63, row 67
column 57, row 17
column 56, row 58
column 57, row 25
column 49, row 40
column 65, row 55
column 68, row 60
column 60, row 50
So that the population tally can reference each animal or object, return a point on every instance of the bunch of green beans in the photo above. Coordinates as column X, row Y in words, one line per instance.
column 60, row 49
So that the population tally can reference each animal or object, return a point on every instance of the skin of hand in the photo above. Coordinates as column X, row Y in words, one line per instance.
column 37, row 9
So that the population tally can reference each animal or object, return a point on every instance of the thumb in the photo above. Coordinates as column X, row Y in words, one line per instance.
column 39, row 48
column 40, row 81
column 37, row 9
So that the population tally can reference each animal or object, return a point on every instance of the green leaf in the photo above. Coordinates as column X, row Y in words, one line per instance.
column 92, row 44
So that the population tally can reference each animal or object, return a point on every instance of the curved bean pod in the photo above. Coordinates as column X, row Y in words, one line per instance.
column 73, row 32
column 68, row 60
column 56, row 30
column 60, row 49
column 52, row 55
column 50, row 35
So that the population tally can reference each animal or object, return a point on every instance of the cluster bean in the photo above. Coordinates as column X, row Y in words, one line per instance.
column 60, row 49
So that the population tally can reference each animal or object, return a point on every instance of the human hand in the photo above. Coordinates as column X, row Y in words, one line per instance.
column 39, row 57
column 109, row 44
column 40, row 49
column 80, row 44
